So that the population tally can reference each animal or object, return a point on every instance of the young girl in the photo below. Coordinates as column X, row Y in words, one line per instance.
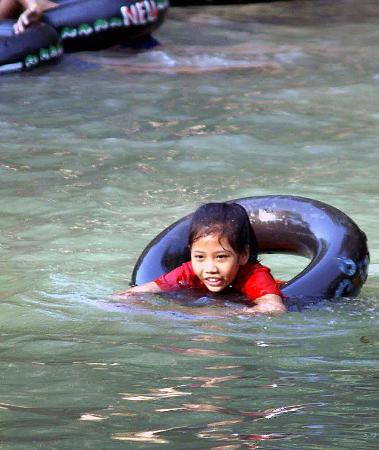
column 223, row 258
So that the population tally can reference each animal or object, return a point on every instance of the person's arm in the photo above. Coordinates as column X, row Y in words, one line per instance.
column 171, row 281
column 271, row 304
column 150, row 287
column 263, row 292
column 9, row 9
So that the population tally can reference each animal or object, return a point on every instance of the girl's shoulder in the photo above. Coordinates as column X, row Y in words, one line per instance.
column 255, row 280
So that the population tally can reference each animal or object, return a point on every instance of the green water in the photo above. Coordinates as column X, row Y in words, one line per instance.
column 101, row 152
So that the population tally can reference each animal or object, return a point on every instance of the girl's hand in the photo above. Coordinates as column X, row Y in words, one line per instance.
column 132, row 292
column 270, row 304
column 123, row 295
column 29, row 16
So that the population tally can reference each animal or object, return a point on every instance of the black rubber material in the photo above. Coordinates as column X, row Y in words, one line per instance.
column 39, row 44
column 99, row 24
column 335, row 245
column 214, row 2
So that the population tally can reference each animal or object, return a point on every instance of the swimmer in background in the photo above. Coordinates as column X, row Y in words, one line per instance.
column 25, row 11
column 224, row 256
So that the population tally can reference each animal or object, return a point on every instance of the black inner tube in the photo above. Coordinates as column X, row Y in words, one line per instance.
column 38, row 44
column 335, row 245
column 98, row 24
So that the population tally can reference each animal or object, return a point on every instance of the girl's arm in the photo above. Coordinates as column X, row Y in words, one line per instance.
column 169, row 282
column 267, row 304
column 150, row 287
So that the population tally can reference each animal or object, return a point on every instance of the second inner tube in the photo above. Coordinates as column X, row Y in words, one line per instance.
column 99, row 24
column 38, row 44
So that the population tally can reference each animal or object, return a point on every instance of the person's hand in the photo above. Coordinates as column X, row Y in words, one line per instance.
column 123, row 295
column 145, row 288
column 29, row 16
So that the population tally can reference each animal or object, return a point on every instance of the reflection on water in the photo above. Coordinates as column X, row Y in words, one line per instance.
column 213, row 42
column 100, row 153
column 209, row 430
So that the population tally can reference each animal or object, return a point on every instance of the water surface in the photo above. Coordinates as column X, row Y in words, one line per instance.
column 101, row 152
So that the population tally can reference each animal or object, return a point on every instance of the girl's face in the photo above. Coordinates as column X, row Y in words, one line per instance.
column 215, row 262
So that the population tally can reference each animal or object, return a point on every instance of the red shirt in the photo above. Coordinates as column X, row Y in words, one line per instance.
column 253, row 280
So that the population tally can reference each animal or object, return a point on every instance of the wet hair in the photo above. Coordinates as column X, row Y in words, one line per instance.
column 229, row 221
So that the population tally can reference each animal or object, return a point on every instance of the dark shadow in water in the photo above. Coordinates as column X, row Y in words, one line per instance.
column 192, row 304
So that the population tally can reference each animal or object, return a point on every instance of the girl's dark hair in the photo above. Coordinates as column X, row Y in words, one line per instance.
column 228, row 220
